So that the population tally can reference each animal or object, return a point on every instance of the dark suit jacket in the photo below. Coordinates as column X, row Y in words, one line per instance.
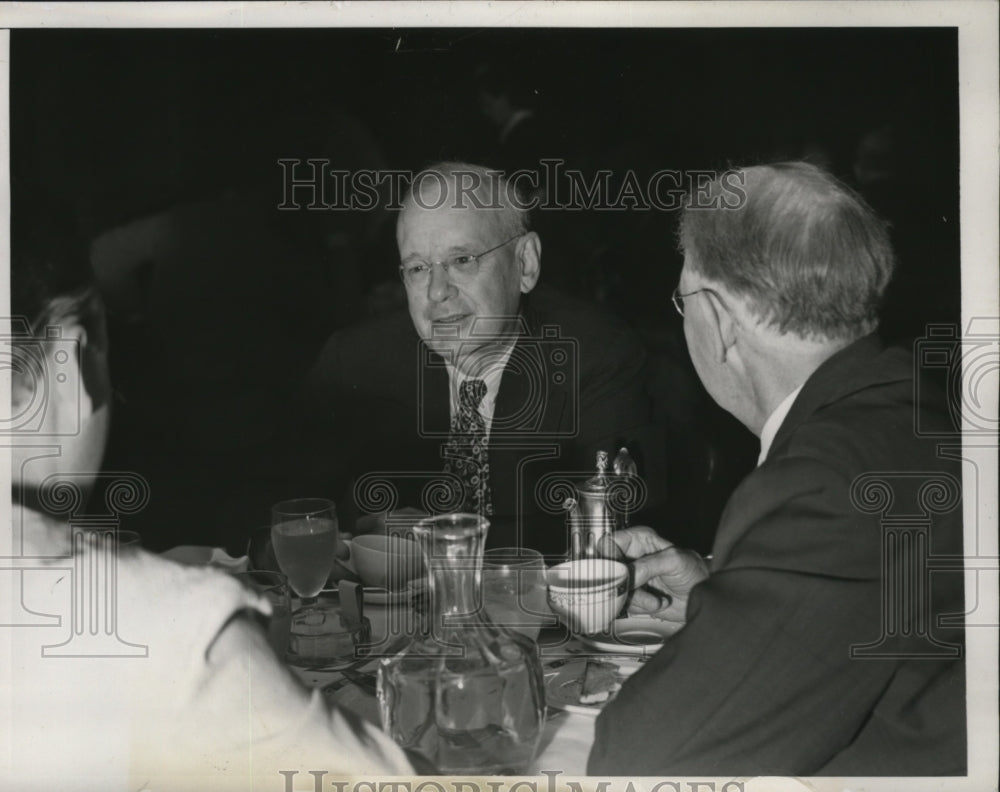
column 574, row 384
column 761, row 680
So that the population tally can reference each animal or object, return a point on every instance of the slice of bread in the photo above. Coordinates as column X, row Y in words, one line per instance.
column 599, row 681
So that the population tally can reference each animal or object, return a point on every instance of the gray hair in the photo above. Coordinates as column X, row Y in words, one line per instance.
column 808, row 253
column 473, row 187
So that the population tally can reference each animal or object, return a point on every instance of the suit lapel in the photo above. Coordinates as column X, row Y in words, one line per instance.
column 529, row 403
column 433, row 416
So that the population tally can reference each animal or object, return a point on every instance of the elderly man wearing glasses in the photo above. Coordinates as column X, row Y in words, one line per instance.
column 817, row 642
column 492, row 379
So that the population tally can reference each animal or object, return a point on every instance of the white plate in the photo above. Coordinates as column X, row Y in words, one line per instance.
column 564, row 680
column 636, row 635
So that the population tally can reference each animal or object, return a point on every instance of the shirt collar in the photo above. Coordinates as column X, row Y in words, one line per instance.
column 773, row 424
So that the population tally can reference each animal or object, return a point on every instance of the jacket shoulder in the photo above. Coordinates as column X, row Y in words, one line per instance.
column 870, row 413
column 366, row 353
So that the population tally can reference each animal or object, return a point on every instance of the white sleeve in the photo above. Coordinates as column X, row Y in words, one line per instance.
column 172, row 713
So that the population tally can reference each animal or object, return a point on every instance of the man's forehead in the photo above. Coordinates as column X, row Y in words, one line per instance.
column 449, row 224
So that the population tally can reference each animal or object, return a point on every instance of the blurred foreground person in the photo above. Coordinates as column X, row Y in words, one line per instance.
column 184, row 693
column 816, row 643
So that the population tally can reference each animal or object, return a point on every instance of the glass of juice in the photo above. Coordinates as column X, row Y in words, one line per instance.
column 304, row 539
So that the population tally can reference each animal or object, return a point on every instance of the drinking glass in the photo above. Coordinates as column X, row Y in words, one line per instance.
column 514, row 591
column 327, row 638
column 304, row 538
column 273, row 586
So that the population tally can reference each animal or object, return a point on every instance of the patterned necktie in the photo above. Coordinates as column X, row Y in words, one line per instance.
column 466, row 454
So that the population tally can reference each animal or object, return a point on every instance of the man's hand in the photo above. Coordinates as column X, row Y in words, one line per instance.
column 664, row 574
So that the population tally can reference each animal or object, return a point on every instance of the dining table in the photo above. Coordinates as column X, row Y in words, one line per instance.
column 568, row 730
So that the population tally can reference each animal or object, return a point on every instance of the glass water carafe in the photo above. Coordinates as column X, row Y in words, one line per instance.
column 467, row 694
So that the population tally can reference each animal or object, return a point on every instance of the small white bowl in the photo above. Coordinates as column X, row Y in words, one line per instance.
column 387, row 562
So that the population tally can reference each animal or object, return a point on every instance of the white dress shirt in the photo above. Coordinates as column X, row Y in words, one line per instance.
column 773, row 424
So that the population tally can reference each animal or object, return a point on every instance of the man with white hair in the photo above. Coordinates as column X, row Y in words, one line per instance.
column 812, row 641
column 492, row 378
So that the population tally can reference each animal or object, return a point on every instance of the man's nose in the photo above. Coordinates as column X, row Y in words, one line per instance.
column 440, row 287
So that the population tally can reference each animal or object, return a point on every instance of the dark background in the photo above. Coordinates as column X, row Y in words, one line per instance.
column 212, row 330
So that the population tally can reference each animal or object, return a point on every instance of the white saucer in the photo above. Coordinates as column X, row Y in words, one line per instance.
column 563, row 682
column 636, row 635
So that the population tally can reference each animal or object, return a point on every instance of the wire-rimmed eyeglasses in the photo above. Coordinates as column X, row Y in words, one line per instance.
column 678, row 299
column 462, row 267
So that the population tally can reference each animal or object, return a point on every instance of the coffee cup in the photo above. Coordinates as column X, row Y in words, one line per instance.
column 587, row 594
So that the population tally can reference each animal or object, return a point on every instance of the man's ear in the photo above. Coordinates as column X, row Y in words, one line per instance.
column 529, row 258
column 68, row 394
column 48, row 378
column 724, row 327
column 77, row 383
